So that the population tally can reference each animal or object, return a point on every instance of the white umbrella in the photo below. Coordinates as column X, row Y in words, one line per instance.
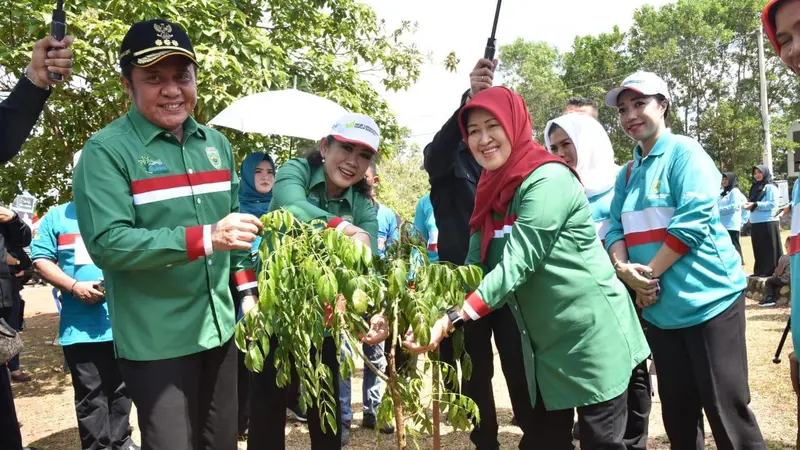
column 287, row 113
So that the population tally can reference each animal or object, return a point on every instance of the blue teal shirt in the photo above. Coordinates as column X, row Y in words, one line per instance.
column 671, row 198
column 59, row 240
column 425, row 223
column 767, row 208
column 730, row 209
column 388, row 230
column 600, row 205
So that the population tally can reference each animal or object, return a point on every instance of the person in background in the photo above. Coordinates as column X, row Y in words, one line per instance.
column 581, row 105
column 388, row 232
column 765, row 232
column 731, row 202
column 584, row 145
column 781, row 21
column 779, row 279
column 20, row 111
column 19, row 264
column 257, row 177
column 425, row 223
column 102, row 402
column 668, row 244
column 14, row 233
column 454, row 174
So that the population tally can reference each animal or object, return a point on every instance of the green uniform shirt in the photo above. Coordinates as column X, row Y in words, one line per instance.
column 301, row 190
column 580, row 335
column 145, row 203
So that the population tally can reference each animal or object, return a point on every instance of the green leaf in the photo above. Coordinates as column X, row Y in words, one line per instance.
column 238, row 337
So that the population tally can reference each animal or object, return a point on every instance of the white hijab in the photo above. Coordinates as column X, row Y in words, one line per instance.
column 595, row 163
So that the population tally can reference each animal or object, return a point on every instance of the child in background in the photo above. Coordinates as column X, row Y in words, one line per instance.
column 779, row 279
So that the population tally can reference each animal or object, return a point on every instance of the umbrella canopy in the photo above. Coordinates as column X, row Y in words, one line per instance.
column 287, row 113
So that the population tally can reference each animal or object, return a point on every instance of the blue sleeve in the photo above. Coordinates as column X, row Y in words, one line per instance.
column 45, row 243
column 770, row 200
column 420, row 220
column 694, row 182
column 728, row 204
column 615, row 231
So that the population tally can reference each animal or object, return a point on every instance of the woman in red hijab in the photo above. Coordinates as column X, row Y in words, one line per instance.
column 533, row 236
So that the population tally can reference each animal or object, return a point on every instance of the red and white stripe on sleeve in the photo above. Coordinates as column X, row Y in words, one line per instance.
column 245, row 279
column 338, row 223
column 198, row 242
column 475, row 307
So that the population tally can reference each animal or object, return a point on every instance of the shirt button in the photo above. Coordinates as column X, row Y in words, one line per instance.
column 190, row 171
column 199, row 200
column 523, row 332
column 210, row 262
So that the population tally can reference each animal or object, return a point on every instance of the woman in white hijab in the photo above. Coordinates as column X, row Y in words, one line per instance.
column 585, row 146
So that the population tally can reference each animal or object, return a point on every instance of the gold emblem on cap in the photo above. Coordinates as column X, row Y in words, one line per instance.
column 164, row 32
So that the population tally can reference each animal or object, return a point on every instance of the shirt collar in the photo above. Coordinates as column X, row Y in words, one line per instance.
column 661, row 146
column 148, row 131
column 318, row 177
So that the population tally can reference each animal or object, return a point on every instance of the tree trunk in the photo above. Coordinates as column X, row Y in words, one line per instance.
column 437, row 375
column 399, row 419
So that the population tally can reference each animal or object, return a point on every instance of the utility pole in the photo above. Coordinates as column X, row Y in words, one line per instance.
column 762, row 75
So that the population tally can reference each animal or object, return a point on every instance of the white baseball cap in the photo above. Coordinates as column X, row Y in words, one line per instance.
column 357, row 129
column 646, row 83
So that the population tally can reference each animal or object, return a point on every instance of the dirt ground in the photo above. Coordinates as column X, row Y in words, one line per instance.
column 45, row 405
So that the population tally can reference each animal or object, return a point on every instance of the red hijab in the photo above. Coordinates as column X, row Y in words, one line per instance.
column 497, row 188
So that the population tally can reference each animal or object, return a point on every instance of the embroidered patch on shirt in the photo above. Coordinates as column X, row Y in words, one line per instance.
column 153, row 166
column 213, row 157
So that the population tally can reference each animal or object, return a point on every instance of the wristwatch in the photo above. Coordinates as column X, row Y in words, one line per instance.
column 455, row 318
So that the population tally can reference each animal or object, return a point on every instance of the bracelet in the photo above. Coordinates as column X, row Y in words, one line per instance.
column 72, row 289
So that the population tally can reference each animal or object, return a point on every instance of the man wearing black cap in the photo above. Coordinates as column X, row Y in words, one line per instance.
column 157, row 206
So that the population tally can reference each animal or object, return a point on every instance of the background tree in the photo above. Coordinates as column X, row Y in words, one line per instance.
column 707, row 52
column 244, row 46
column 402, row 181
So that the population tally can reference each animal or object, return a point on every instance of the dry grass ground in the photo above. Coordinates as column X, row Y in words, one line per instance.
column 45, row 405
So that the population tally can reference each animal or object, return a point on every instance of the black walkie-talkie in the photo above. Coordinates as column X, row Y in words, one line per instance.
column 58, row 29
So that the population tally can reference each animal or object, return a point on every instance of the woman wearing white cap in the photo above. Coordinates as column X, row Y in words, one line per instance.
column 667, row 243
column 329, row 185
column 584, row 145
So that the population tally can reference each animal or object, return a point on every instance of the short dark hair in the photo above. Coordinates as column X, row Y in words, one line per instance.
column 314, row 158
column 581, row 101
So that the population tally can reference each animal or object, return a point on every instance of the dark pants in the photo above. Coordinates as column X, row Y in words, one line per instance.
column 640, row 400
column 602, row 426
column 767, row 247
column 704, row 368
column 268, row 404
column 102, row 403
column 478, row 343
column 186, row 403
column 772, row 287
column 243, row 390
column 735, row 239
column 10, row 437
column 447, row 356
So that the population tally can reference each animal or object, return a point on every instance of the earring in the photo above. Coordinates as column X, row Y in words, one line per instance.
column 323, row 160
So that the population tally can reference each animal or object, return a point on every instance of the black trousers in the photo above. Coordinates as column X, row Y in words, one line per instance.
column 704, row 368
column 735, row 239
column 102, row 402
column 602, row 426
column 772, row 287
column 767, row 247
column 478, row 343
column 186, row 403
column 243, row 394
column 640, row 401
column 10, row 437
column 268, row 404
